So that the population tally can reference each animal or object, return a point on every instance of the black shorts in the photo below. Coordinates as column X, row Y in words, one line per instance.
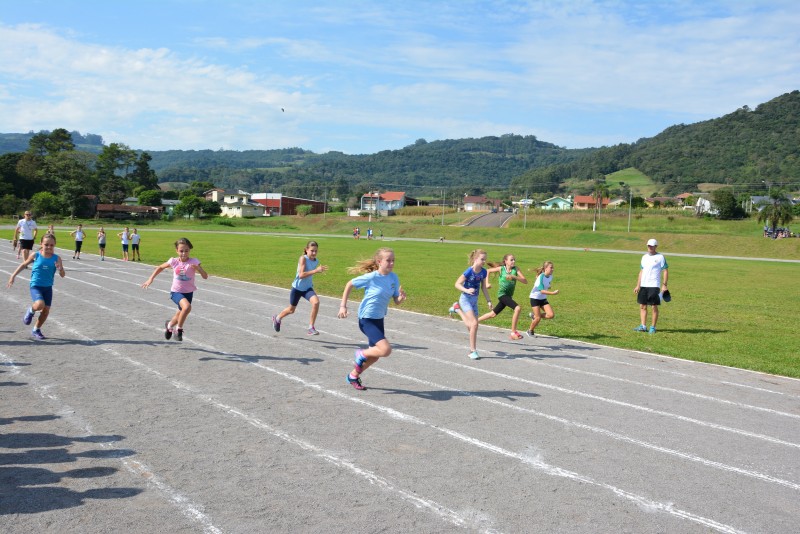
column 134, row 247
column 26, row 244
column 78, row 245
column 648, row 296
column 504, row 302
column 539, row 303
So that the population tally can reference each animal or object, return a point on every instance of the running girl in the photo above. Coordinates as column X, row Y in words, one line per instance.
column 539, row 293
column 45, row 265
column 380, row 284
column 183, row 288
column 509, row 276
column 469, row 284
column 303, row 287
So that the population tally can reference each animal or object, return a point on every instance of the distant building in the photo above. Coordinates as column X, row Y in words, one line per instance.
column 235, row 203
column 587, row 202
column 480, row 203
column 386, row 203
column 557, row 203
column 277, row 204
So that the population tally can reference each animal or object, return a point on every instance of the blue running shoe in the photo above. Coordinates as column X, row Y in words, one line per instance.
column 37, row 333
column 28, row 317
column 640, row 328
column 652, row 330
column 276, row 324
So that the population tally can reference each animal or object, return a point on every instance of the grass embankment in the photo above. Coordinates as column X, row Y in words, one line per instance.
column 728, row 312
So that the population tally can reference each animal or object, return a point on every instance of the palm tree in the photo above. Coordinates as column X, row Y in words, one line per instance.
column 600, row 192
column 777, row 211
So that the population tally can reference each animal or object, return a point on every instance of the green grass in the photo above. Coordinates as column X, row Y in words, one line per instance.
column 728, row 312
column 640, row 184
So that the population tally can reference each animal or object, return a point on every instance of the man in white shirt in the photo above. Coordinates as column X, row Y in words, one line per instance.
column 649, row 285
column 26, row 231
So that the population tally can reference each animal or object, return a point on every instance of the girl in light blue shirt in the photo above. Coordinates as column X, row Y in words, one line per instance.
column 380, row 285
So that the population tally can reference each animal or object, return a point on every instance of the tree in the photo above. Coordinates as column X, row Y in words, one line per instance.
column 189, row 205
column 777, row 211
column 72, row 173
column 142, row 173
column 46, row 203
column 726, row 204
column 150, row 197
column 211, row 207
column 44, row 143
column 113, row 190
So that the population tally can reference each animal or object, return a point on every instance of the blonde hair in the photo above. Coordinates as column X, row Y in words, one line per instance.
column 541, row 269
column 475, row 253
column 372, row 264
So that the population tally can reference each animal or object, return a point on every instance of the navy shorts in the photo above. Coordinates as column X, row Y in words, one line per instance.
column 135, row 247
column 102, row 246
column 178, row 297
column 373, row 329
column 124, row 248
column 44, row 293
column 296, row 295
column 648, row 296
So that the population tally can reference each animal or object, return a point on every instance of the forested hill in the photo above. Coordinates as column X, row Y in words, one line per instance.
column 19, row 142
column 747, row 146
column 486, row 163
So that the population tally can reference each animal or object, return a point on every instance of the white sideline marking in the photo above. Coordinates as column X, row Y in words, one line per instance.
column 443, row 512
column 185, row 506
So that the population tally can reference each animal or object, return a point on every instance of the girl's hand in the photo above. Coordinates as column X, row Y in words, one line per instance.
column 509, row 277
column 10, row 282
column 147, row 284
column 402, row 295
column 322, row 268
column 470, row 291
column 556, row 292
column 342, row 312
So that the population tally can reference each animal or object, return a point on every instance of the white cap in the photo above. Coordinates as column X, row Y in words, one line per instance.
column 652, row 243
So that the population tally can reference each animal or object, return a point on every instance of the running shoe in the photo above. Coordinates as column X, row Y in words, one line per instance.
column 359, row 360
column 167, row 330
column 530, row 314
column 516, row 335
column 179, row 334
column 453, row 309
column 28, row 317
column 474, row 355
column 640, row 328
column 313, row 331
column 276, row 324
column 530, row 333
column 652, row 330
column 355, row 382
column 37, row 333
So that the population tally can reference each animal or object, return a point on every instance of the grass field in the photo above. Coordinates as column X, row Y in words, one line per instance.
column 729, row 312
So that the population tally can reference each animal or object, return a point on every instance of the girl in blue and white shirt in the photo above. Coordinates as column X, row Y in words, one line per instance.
column 539, row 293
column 470, row 283
column 303, row 287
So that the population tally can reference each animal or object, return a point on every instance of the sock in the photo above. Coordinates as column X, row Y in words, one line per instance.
column 352, row 376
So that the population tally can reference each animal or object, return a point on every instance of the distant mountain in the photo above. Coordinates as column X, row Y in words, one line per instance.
column 746, row 147
column 18, row 142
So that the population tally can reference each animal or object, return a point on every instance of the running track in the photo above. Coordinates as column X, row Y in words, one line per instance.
column 106, row 426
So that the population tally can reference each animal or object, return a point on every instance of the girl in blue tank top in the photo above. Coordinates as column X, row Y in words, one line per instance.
column 303, row 287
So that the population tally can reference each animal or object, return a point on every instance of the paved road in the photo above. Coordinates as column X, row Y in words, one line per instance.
column 491, row 219
column 106, row 426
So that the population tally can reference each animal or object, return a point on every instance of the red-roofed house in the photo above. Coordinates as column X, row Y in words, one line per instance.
column 587, row 202
column 385, row 202
column 278, row 204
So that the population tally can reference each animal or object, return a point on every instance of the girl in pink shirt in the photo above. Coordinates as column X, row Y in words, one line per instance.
column 182, row 290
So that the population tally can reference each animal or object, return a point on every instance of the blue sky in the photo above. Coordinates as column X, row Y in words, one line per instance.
column 360, row 77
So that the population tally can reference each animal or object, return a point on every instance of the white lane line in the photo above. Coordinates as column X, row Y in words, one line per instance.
column 437, row 509
column 185, row 505
column 395, row 414
column 504, row 376
column 660, row 388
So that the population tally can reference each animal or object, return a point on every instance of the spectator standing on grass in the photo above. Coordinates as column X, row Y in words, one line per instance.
column 135, row 239
column 470, row 284
column 303, row 287
column 652, row 269
column 125, row 236
column 45, row 265
column 51, row 230
column 78, row 234
column 380, row 285
column 183, row 287
column 509, row 274
column 25, row 234
column 101, row 243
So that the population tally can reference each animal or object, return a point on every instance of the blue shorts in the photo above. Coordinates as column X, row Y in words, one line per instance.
column 178, row 297
column 373, row 329
column 44, row 293
column 296, row 295
column 468, row 303
column 124, row 248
